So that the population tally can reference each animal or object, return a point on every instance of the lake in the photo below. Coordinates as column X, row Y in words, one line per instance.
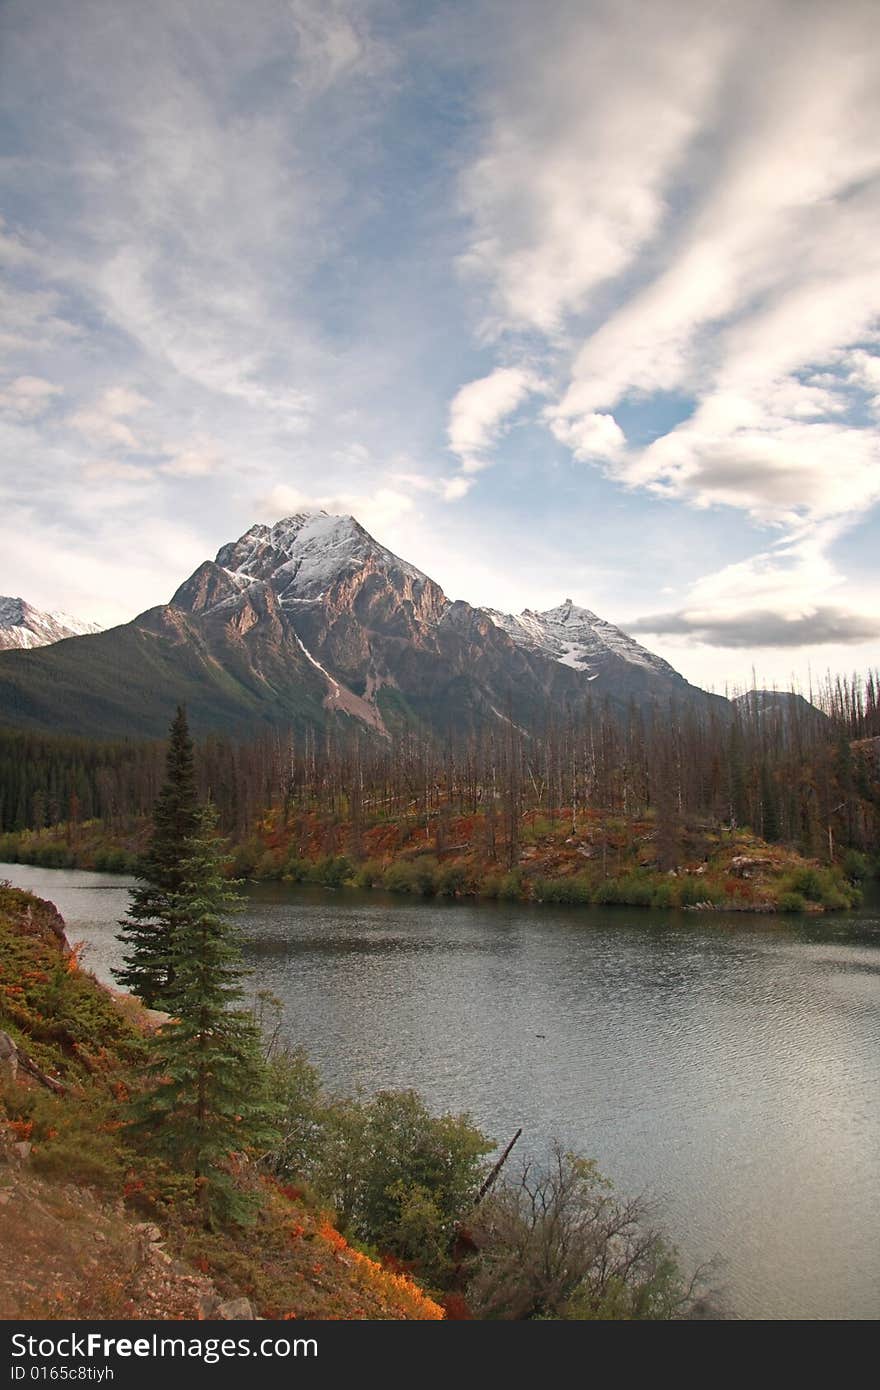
column 727, row 1064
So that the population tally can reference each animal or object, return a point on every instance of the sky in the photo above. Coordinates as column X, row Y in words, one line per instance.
column 571, row 300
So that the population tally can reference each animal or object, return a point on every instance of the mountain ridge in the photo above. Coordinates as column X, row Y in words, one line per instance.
column 311, row 620
column 23, row 627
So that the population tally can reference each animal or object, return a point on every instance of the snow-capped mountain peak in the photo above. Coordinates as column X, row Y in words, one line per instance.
column 578, row 638
column 302, row 555
column 23, row 626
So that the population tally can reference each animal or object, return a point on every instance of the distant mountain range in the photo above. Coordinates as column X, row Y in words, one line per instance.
column 311, row 621
column 23, row 626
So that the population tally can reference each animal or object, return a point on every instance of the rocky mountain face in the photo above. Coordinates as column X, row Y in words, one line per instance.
column 23, row 626
column 312, row 619
column 577, row 638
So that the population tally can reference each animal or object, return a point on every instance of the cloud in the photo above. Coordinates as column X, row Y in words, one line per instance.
column 779, row 469
column 478, row 412
column 333, row 42
column 761, row 627
column 456, row 488
column 28, row 397
column 584, row 138
column 687, row 223
column 198, row 459
column 376, row 511
column 115, row 470
column 104, row 422
column 591, row 436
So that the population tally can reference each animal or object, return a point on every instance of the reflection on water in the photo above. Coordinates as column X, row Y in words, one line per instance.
column 731, row 1065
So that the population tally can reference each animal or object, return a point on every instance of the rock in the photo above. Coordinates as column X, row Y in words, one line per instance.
column 8, row 1056
column 149, row 1232
column 22, row 1150
column 208, row 1307
column 237, row 1310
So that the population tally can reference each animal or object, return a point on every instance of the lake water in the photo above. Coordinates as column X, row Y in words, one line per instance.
column 730, row 1065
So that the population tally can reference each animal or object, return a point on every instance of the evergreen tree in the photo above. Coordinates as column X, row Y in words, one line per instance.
column 208, row 1100
column 149, row 929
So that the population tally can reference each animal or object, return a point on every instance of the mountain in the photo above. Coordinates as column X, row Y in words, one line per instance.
column 311, row 621
column 577, row 638
column 784, row 706
column 23, row 626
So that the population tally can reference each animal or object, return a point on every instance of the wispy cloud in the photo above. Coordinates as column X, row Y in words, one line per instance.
column 694, row 217
column 28, row 397
column 479, row 411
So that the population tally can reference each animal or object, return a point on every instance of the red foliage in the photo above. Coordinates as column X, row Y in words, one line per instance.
column 455, row 1307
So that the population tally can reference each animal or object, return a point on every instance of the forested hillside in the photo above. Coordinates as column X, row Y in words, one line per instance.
column 650, row 790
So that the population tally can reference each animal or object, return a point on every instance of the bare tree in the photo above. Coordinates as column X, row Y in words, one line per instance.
column 557, row 1242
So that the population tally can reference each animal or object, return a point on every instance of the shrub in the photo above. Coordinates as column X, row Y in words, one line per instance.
column 809, row 882
column 823, row 886
column 269, row 866
column 369, row 874
column 575, row 890
column 792, row 902
column 396, row 1176
column 635, row 890
column 490, row 886
column 607, row 892
column 664, row 895
column 451, row 880
column 332, row 871
column 510, row 886
column 856, row 866
column 245, row 858
column 692, row 891
column 296, row 869
column 556, row 1242
column 401, row 878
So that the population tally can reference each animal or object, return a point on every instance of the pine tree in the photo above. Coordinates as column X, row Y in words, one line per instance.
column 208, row 1098
column 149, row 928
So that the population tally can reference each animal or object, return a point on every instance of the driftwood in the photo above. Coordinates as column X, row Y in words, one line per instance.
column 13, row 1058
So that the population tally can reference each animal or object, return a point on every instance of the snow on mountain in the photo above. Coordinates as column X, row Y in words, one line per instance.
column 577, row 638
column 22, row 626
column 303, row 555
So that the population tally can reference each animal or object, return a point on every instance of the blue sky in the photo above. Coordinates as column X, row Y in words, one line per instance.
column 571, row 300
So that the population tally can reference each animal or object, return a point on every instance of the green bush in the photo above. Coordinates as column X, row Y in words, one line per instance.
column 451, row 880
column 856, row 866
column 332, row 871
column 419, row 876
column 692, row 891
column 396, row 1176
column 792, row 902
column 295, row 869
column 270, row 865
column 574, row 890
column 636, row 890
column 245, row 858
column 825, row 886
column 490, row 886
column 510, row 887
column 607, row 892
column 809, row 882
column 664, row 895
column 369, row 874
